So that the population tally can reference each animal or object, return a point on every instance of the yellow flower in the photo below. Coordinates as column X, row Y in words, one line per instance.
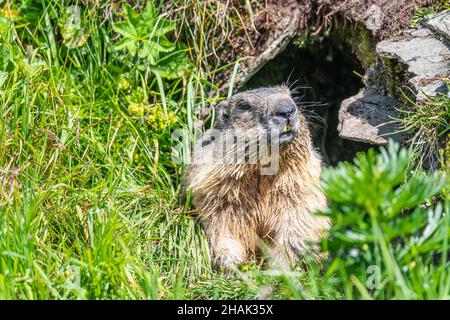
column 158, row 120
column 172, row 117
column 136, row 109
column 9, row 12
column 123, row 83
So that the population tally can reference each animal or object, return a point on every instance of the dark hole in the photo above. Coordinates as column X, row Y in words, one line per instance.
column 330, row 71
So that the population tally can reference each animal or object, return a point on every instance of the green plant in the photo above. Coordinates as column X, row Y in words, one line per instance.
column 441, row 5
column 390, row 228
column 429, row 123
column 144, row 36
column 422, row 13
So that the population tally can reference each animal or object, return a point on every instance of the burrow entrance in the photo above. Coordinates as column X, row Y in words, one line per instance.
column 327, row 72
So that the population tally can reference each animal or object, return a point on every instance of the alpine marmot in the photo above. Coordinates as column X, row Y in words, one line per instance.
column 258, row 179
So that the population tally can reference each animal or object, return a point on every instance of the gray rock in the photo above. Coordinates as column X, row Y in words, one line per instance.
column 419, row 33
column 440, row 22
column 427, row 60
column 429, row 87
column 368, row 117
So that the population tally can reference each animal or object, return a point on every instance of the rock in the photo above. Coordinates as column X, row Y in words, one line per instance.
column 368, row 117
column 421, row 58
column 427, row 60
column 440, row 22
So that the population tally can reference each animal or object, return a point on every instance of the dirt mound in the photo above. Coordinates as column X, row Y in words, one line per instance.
column 383, row 17
column 237, row 29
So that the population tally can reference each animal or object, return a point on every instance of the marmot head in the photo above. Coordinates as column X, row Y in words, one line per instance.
column 257, row 129
column 270, row 110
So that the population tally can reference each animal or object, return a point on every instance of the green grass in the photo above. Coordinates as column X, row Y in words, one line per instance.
column 428, row 124
column 89, row 197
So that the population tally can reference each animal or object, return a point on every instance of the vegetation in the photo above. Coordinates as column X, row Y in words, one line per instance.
column 89, row 195
column 390, row 232
column 428, row 122
column 422, row 12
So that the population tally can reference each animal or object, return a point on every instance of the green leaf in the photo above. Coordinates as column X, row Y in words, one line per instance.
column 174, row 65
column 165, row 26
column 144, row 33
column 128, row 44
column 126, row 29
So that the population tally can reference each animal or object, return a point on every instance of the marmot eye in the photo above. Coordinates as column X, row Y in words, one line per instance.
column 244, row 106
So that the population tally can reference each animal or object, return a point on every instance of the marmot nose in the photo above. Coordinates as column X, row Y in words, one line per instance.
column 284, row 110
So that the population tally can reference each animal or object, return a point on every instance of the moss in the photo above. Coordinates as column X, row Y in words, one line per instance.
column 392, row 75
column 395, row 78
column 358, row 37
column 352, row 33
column 304, row 39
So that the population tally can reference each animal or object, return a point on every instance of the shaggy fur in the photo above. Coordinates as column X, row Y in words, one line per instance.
column 238, row 206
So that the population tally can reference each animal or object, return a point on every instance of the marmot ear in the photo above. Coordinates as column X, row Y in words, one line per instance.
column 222, row 112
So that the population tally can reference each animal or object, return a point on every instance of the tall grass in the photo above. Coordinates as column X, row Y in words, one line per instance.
column 428, row 123
column 84, row 214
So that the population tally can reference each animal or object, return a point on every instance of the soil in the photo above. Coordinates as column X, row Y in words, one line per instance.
column 319, row 16
column 394, row 16
column 318, row 19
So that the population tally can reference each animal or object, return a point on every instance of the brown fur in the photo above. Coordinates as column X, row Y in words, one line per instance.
column 238, row 206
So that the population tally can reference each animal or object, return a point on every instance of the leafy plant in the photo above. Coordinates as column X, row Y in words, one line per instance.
column 144, row 35
column 421, row 14
column 389, row 221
